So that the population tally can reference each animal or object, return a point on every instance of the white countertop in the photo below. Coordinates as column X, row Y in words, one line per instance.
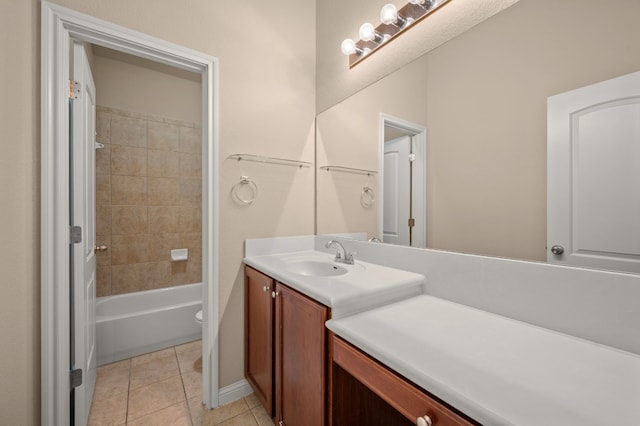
column 365, row 286
column 497, row 370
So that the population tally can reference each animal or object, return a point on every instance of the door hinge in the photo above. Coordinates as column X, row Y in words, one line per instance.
column 412, row 222
column 76, row 234
column 76, row 378
column 412, row 158
column 74, row 89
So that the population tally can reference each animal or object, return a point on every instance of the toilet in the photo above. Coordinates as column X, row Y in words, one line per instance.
column 198, row 318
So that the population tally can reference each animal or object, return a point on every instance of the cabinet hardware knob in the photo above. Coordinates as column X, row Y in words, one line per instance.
column 274, row 294
column 424, row 421
column 265, row 288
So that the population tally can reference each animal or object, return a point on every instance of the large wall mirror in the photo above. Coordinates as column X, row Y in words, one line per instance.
column 482, row 98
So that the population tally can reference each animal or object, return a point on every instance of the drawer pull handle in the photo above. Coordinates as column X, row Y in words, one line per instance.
column 424, row 421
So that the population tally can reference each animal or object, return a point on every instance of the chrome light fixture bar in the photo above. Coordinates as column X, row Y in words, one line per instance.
column 394, row 22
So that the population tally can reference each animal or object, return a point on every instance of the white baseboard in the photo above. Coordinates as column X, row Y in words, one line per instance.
column 234, row 392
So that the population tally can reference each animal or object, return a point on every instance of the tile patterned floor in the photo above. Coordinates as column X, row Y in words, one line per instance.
column 165, row 388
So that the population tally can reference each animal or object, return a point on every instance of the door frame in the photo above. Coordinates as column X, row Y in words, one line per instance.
column 58, row 26
column 419, row 194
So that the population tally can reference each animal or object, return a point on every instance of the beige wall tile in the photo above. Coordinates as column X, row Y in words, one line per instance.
column 127, row 220
column 128, row 190
column 103, row 127
column 128, row 131
column 103, row 280
column 164, row 219
column 159, row 274
column 160, row 246
column 190, row 219
column 129, row 278
column 163, row 136
column 179, row 274
column 190, row 165
column 103, row 159
column 127, row 249
column 190, row 140
column 190, row 191
column 164, row 191
column 103, row 188
column 194, row 270
column 192, row 241
column 126, row 160
column 103, row 219
column 163, row 163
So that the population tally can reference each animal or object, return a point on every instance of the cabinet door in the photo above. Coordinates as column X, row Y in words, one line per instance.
column 259, row 335
column 300, row 359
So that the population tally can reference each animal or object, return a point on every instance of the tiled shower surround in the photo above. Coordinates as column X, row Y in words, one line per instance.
column 148, row 201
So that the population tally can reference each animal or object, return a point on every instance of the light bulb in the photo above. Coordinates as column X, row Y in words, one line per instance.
column 389, row 14
column 348, row 47
column 367, row 32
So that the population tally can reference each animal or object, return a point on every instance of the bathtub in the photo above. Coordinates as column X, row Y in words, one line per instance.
column 133, row 324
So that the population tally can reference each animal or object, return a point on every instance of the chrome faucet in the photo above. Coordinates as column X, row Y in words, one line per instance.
column 342, row 255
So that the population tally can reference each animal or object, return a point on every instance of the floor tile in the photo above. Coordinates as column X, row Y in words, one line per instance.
column 175, row 415
column 156, row 396
column 110, row 411
column 196, row 408
column 156, row 369
column 112, row 380
column 261, row 416
column 225, row 412
column 192, row 382
column 153, row 355
column 189, row 347
column 245, row 419
column 252, row 400
column 190, row 361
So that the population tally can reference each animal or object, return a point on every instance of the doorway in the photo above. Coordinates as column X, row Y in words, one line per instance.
column 59, row 27
column 402, row 182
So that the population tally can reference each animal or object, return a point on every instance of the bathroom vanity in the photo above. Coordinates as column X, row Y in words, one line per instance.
column 365, row 344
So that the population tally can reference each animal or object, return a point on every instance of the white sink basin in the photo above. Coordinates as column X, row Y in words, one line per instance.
column 314, row 268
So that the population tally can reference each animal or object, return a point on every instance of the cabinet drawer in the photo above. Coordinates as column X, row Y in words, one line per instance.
column 409, row 400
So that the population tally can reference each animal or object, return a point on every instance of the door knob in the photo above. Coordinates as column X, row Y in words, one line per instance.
column 100, row 248
column 557, row 250
column 424, row 421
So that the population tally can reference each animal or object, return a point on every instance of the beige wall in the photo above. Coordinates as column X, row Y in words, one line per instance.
column 267, row 98
column 482, row 97
column 19, row 217
column 134, row 84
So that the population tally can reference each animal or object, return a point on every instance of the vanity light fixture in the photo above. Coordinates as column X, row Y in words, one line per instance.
column 394, row 21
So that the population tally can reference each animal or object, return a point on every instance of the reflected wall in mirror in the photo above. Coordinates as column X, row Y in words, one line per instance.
column 482, row 97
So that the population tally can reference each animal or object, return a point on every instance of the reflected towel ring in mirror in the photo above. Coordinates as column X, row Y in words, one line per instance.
column 238, row 188
column 367, row 197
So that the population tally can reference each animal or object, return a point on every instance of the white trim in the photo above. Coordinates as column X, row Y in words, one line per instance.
column 58, row 26
column 235, row 391
column 419, row 192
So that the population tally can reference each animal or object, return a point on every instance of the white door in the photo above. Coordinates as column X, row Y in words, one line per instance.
column 396, row 191
column 82, row 140
column 593, row 205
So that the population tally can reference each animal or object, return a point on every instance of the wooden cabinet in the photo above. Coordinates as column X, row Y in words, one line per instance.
column 259, row 334
column 363, row 391
column 286, row 351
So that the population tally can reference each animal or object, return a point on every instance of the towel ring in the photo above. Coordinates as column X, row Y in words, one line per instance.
column 245, row 180
column 367, row 197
